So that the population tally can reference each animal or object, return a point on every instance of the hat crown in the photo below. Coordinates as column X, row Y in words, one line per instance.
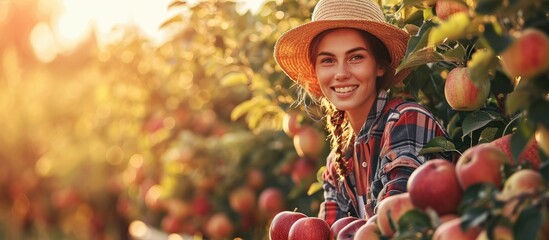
column 347, row 10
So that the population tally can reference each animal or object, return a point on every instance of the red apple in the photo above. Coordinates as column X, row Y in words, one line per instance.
column 271, row 201
column 396, row 206
column 452, row 230
column 446, row 8
column 542, row 138
column 527, row 55
column 530, row 154
column 309, row 228
column 464, row 94
column 291, row 123
column 219, row 226
column 281, row 224
column 242, row 200
column 255, row 179
column 368, row 231
column 201, row 204
column 303, row 171
column 309, row 142
column 340, row 224
column 171, row 224
column 444, row 196
column 481, row 164
column 523, row 181
column 348, row 232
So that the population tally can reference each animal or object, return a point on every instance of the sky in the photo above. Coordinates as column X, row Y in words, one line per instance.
column 76, row 18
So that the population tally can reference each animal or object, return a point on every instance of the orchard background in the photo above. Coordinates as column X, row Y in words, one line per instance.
column 201, row 135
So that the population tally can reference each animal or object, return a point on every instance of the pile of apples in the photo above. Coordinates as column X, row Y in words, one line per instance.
column 436, row 191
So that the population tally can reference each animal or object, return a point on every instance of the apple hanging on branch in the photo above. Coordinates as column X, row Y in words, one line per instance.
column 527, row 55
column 463, row 93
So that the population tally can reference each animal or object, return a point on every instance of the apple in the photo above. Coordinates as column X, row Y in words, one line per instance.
column 527, row 55
column 303, row 171
column 201, row 204
column 452, row 230
column 281, row 224
column 271, row 201
column 255, row 179
column 444, row 196
column 348, row 232
column 446, row 8
column 529, row 155
column 368, row 231
column 500, row 233
column 171, row 224
column 542, row 138
column 291, row 123
column 481, row 164
column 523, row 181
column 464, row 94
column 219, row 226
column 340, row 224
column 396, row 206
column 309, row 228
column 309, row 142
column 447, row 217
column 242, row 200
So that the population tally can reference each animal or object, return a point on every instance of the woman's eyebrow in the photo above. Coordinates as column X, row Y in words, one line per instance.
column 347, row 52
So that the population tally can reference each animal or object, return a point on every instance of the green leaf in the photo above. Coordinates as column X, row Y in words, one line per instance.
column 477, row 120
column 538, row 112
column 174, row 19
column 528, row 224
column 517, row 100
column 519, row 141
column 438, row 144
column 480, row 67
column 247, row 106
column 496, row 38
column 488, row 134
column 452, row 29
column 479, row 195
column 314, row 188
column 177, row 3
column 234, row 78
column 419, row 40
column 544, row 170
column 474, row 217
column 424, row 56
column 415, row 220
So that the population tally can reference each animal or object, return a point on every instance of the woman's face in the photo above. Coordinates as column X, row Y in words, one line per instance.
column 347, row 70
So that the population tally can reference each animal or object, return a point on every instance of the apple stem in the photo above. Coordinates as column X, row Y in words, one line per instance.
column 295, row 209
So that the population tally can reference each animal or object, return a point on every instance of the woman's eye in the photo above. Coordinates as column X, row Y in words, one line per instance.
column 356, row 57
column 326, row 60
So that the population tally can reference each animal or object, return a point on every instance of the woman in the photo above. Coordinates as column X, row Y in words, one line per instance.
column 345, row 58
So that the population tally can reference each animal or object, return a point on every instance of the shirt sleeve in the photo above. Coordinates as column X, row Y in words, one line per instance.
column 407, row 131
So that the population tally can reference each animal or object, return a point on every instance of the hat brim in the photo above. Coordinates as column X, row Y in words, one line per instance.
column 291, row 49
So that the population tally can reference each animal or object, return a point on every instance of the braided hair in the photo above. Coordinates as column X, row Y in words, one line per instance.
column 340, row 132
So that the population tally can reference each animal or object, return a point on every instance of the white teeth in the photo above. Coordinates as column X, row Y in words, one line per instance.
column 345, row 89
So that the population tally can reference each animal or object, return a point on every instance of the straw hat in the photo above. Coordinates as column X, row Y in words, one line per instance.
column 291, row 50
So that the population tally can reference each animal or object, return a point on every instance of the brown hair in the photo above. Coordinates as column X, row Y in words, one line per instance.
column 341, row 133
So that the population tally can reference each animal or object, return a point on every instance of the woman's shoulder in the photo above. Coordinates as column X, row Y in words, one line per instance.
column 401, row 106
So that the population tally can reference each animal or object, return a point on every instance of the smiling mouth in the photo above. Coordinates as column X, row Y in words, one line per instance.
column 345, row 89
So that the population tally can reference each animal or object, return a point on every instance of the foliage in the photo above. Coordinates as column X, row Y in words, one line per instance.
column 107, row 138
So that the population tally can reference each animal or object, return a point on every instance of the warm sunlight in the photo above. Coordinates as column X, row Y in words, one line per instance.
column 76, row 19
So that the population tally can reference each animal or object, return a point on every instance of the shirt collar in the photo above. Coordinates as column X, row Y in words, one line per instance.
column 373, row 116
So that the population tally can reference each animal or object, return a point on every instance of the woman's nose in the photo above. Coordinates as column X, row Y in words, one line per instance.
column 342, row 72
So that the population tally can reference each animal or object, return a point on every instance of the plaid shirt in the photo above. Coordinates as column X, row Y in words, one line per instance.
column 386, row 152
